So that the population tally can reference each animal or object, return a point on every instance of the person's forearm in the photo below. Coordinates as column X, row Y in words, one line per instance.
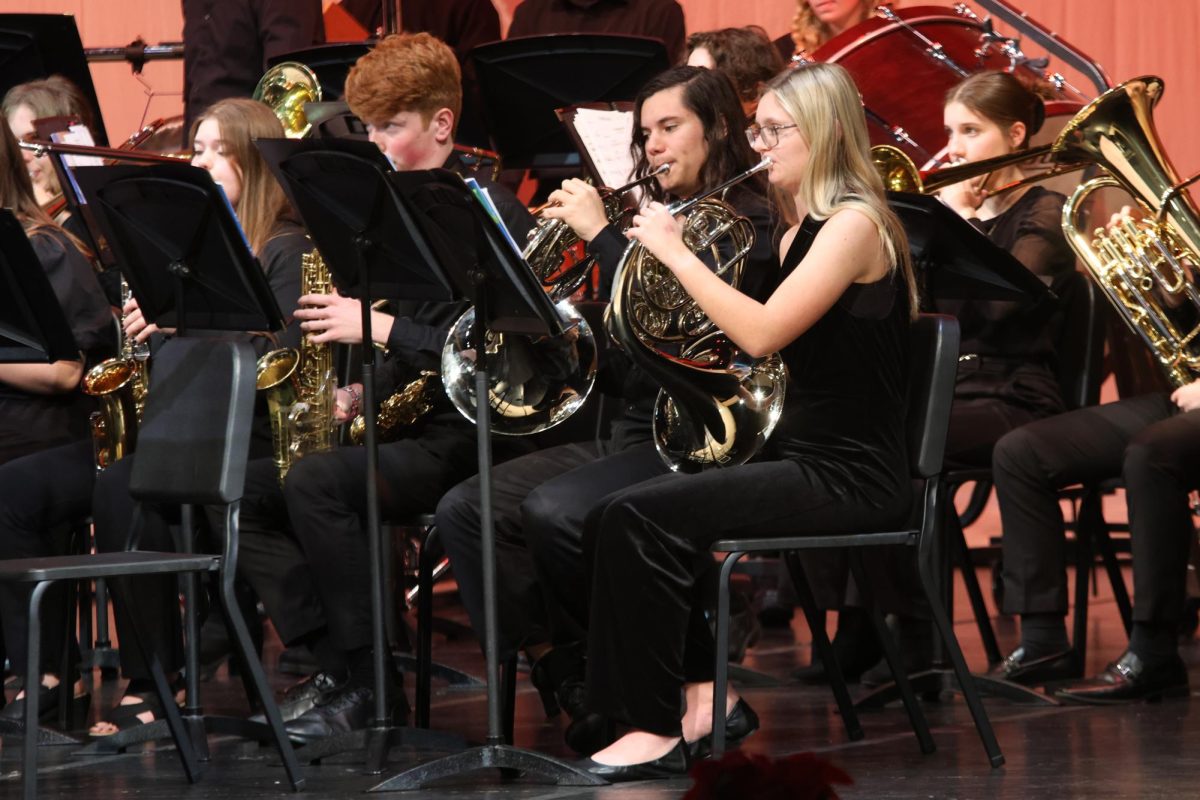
column 57, row 378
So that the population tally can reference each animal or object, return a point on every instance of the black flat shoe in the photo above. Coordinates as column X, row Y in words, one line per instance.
column 739, row 724
column 1129, row 679
column 673, row 765
column 48, row 699
column 1018, row 667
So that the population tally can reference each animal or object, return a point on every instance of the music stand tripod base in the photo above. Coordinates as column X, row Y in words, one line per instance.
column 489, row 756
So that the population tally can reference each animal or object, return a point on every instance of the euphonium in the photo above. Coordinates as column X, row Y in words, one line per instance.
column 1144, row 267
column 286, row 87
column 300, row 384
column 120, row 385
column 717, row 406
column 555, row 252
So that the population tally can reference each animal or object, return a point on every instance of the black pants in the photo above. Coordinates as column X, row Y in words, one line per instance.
column 41, row 497
column 269, row 560
column 1145, row 440
column 540, row 502
column 976, row 425
column 647, row 549
column 326, row 503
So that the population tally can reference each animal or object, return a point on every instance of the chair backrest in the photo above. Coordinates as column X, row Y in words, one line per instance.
column 194, row 438
column 1080, row 346
column 933, row 364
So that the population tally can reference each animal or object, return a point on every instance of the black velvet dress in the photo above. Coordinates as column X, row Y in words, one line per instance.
column 836, row 462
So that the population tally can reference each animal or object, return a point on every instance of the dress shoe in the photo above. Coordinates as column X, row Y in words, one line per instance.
column 305, row 695
column 914, row 639
column 1130, row 679
column 48, row 700
column 740, row 723
column 856, row 649
column 344, row 710
column 558, row 677
column 673, row 765
column 1018, row 667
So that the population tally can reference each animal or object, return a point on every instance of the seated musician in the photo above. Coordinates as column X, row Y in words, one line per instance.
column 818, row 21
column 313, row 574
column 1151, row 442
column 746, row 55
column 836, row 461
column 42, row 410
column 222, row 144
column 690, row 118
column 1007, row 372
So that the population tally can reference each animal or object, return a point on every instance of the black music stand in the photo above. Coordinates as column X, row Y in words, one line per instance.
column 954, row 260
column 508, row 298
column 374, row 249
column 36, row 46
column 190, row 267
column 33, row 328
column 524, row 80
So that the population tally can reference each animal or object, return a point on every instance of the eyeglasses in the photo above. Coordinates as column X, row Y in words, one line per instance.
column 767, row 134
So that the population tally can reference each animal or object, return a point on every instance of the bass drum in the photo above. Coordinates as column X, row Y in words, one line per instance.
column 903, row 85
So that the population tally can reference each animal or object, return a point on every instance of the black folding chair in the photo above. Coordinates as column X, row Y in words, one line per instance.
column 934, row 356
column 192, row 450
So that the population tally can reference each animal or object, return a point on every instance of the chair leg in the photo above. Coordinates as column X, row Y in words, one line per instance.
column 1089, row 517
column 508, row 697
column 954, row 652
column 824, row 649
column 233, row 613
column 983, row 618
column 425, row 564
column 1120, row 593
column 721, row 659
column 916, row 715
column 33, row 641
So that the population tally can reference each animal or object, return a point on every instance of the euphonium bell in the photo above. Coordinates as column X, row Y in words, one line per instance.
column 285, row 88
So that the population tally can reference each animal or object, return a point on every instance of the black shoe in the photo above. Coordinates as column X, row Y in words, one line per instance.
column 855, row 645
column 344, row 710
column 306, row 695
column 914, row 639
column 48, row 699
column 1018, row 667
column 558, row 677
column 298, row 660
column 673, row 765
column 1128, row 680
column 740, row 723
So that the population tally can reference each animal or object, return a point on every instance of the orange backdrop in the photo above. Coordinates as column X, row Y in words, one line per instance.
column 1127, row 38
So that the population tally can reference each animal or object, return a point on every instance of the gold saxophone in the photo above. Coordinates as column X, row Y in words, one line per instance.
column 300, row 384
column 120, row 384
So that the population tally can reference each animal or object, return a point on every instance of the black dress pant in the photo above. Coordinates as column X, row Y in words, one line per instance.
column 269, row 560
column 539, row 505
column 647, row 548
column 42, row 496
column 1147, row 442
column 326, row 502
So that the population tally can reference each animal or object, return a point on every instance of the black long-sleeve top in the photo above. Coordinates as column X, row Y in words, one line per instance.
column 29, row 421
column 1008, row 346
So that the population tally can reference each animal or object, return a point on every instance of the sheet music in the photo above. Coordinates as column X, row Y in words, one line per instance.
column 606, row 135
column 78, row 134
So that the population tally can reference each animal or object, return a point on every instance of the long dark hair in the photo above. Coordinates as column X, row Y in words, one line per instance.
column 709, row 95
column 1003, row 99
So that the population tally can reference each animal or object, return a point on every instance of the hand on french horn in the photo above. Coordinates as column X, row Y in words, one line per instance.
column 135, row 325
column 578, row 204
column 659, row 232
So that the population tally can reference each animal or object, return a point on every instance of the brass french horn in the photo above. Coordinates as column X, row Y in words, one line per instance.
column 717, row 405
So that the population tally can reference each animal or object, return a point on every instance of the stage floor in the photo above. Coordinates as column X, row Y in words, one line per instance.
column 1142, row 751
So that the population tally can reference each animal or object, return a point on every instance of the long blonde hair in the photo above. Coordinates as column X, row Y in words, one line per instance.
column 262, row 203
column 824, row 103
column 809, row 32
